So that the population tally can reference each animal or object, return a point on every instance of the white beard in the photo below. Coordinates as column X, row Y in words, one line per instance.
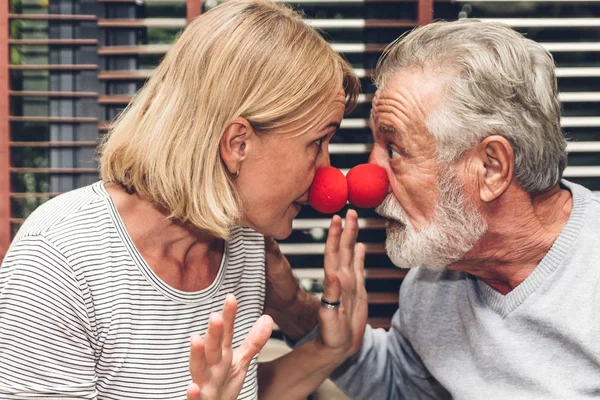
column 455, row 229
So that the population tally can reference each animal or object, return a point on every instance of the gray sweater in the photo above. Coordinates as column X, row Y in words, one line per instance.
column 453, row 336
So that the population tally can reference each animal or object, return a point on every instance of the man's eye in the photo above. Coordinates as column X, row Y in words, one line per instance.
column 393, row 152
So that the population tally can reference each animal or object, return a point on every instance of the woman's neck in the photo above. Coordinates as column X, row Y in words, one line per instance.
column 183, row 258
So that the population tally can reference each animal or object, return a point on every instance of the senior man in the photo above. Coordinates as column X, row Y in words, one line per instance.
column 503, row 297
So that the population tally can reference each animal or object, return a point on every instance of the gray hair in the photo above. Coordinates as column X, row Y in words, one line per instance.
column 496, row 83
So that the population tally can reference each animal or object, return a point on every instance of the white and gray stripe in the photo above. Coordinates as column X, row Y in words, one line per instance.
column 83, row 316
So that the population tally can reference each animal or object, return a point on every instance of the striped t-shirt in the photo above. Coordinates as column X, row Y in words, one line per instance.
column 83, row 316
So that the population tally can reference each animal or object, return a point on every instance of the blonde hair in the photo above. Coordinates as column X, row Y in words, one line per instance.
column 252, row 59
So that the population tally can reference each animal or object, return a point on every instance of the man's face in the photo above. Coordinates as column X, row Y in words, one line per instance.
column 431, row 221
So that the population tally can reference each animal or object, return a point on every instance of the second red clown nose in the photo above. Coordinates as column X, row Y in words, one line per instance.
column 365, row 186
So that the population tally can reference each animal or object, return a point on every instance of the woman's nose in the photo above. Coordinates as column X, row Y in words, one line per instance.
column 323, row 160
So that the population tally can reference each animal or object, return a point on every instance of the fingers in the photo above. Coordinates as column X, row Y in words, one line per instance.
column 332, row 287
column 193, row 392
column 332, row 245
column 197, row 359
column 348, row 239
column 214, row 339
column 257, row 338
column 229, row 311
column 359, row 261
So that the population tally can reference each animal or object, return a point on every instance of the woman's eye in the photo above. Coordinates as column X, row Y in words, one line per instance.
column 319, row 143
column 393, row 152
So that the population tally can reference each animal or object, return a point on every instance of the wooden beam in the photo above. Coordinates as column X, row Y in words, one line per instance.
column 54, row 67
column 37, row 93
column 53, row 17
column 425, row 12
column 5, row 226
column 194, row 8
column 53, row 42
column 55, row 144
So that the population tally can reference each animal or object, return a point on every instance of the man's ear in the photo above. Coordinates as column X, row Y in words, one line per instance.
column 234, row 144
column 497, row 165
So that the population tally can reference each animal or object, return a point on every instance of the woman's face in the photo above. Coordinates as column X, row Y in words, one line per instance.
column 275, row 177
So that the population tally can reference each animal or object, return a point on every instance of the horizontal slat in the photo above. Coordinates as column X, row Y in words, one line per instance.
column 310, row 223
column 365, row 98
column 119, row 99
column 54, row 170
column 547, row 22
column 580, row 122
column 53, row 42
column 583, row 147
column 319, row 248
column 54, row 17
column 582, row 172
column 66, row 120
column 359, row 23
column 34, row 93
column 54, row 67
column 134, row 74
column 142, row 23
column 357, row 47
column 577, row 72
column 569, row 47
column 383, row 298
column 354, row 123
column 574, row 97
column 350, row 148
column 128, row 50
column 370, row 273
column 380, row 322
column 54, row 144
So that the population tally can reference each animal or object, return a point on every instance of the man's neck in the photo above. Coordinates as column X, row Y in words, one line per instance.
column 521, row 230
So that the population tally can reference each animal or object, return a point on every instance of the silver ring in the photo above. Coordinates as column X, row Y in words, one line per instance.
column 331, row 305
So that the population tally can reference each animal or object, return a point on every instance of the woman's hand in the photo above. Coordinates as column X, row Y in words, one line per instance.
column 341, row 329
column 218, row 371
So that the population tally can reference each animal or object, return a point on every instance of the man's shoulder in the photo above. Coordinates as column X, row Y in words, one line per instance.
column 423, row 288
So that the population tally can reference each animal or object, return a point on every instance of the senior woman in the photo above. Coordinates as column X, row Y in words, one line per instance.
column 103, row 286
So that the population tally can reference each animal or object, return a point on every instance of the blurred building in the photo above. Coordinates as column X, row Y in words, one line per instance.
column 68, row 66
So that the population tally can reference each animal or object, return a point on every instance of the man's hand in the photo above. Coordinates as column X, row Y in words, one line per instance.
column 341, row 330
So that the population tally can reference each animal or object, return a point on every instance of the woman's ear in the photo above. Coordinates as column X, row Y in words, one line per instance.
column 498, row 163
column 233, row 147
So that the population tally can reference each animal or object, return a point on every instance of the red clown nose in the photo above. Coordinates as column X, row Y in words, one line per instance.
column 367, row 185
column 329, row 191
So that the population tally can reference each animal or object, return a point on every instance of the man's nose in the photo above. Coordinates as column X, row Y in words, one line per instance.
column 376, row 156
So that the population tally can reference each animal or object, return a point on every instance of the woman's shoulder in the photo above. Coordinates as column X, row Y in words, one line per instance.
column 77, row 209
column 246, row 240
column 247, row 235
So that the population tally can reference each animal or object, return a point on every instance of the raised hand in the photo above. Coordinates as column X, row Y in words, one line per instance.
column 218, row 371
column 341, row 328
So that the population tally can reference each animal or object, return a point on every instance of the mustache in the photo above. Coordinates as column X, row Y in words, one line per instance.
column 390, row 209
